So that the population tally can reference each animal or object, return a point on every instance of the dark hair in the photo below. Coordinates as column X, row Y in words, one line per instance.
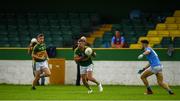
column 145, row 41
column 40, row 35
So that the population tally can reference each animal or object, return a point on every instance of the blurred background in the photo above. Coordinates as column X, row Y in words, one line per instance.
column 64, row 21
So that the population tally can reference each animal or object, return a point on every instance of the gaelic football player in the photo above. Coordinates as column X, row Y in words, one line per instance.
column 153, row 67
column 86, row 66
column 40, row 56
column 30, row 48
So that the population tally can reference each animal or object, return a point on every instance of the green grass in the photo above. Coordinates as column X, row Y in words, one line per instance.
column 67, row 92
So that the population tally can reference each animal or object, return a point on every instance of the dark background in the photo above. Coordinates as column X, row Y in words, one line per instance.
column 107, row 9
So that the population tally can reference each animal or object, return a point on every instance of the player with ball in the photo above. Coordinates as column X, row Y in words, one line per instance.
column 83, row 55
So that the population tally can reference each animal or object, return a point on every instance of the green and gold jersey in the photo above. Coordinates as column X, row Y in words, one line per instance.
column 40, row 50
column 81, row 53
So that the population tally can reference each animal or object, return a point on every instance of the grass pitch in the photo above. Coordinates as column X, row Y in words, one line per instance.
column 70, row 92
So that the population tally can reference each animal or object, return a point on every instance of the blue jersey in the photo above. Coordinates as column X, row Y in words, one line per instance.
column 152, row 57
column 115, row 40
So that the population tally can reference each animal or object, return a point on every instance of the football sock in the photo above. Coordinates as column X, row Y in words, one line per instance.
column 149, row 88
column 170, row 91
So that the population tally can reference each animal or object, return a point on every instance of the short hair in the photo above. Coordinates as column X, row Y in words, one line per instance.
column 40, row 35
column 145, row 41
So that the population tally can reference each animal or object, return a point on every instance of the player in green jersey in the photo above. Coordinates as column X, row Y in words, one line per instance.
column 86, row 66
column 40, row 56
column 30, row 49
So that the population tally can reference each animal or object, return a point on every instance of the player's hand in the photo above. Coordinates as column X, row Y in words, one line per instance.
column 140, row 56
column 78, row 58
column 140, row 71
column 94, row 54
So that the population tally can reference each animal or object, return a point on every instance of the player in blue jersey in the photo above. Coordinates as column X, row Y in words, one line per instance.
column 153, row 67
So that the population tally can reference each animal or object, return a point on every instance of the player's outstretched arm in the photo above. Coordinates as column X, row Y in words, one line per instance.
column 78, row 58
column 143, row 54
column 37, row 57
column 94, row 54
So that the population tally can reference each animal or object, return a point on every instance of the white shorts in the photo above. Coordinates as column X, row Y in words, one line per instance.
column 41, row 65
column 85, row 69
column 155, row 69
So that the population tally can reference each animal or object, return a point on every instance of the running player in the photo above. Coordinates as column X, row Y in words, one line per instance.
column 30, row 48
column 153, row 67
column 86, row 65
column 78, row 67
column 40, row 56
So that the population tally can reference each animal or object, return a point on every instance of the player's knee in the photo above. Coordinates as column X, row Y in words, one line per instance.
column 49, row 73
column 160, row 83
column 37, row 76
column 89, row 77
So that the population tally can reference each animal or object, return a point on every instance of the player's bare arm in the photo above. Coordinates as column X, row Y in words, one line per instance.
column 81, row 58
column 39, row 55
column 77, row 58
column 94, row 54
column 146, row 52
column 143, row 54
column 140, row 57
